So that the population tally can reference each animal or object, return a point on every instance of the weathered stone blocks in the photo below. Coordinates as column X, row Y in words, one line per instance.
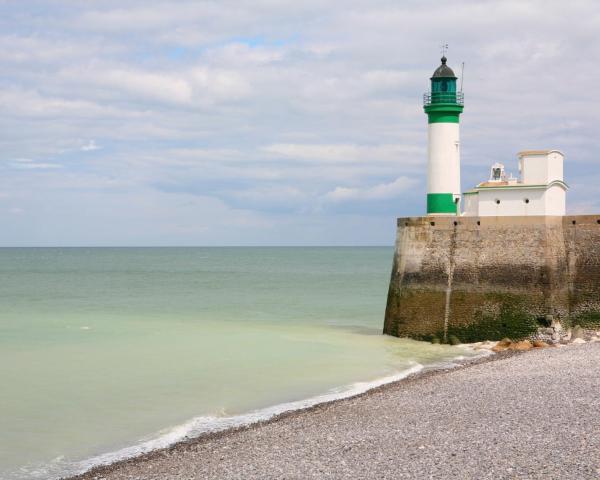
column 482, row 278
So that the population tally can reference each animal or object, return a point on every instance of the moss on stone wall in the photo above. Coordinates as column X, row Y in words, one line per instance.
column 590, row 319
column 473, row 317
column 406, row 305
column 512, row 320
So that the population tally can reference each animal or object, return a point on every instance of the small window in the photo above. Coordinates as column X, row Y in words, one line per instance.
column 526, row 200
column 497, row 201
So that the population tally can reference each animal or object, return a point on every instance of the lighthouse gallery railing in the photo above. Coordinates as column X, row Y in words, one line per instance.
column 443, row 97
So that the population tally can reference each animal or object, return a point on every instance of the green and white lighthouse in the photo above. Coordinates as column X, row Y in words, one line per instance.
column 443, row 106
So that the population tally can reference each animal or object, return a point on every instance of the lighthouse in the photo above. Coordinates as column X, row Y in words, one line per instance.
column 443, row 106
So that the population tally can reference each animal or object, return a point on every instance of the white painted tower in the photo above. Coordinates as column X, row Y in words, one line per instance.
column 443, row 106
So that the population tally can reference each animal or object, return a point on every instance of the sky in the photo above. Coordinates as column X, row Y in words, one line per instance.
column 270, row 122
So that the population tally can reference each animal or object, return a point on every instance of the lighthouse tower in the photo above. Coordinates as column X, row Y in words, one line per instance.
column 443, row 106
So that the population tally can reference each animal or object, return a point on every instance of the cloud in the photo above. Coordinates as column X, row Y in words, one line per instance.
column 135, row 82
column 294, row 120
column 27, row 164
column 150, row 17
column 90, row 146
column 382, row 191
column 35, row 50
column 223, row 85
column 238, row 53
column 346, row 153
column 18, row 102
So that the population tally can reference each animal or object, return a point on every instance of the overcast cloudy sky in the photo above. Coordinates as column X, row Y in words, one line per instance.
column 270, row 122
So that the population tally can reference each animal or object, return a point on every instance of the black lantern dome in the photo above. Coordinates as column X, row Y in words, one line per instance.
column 443, row 71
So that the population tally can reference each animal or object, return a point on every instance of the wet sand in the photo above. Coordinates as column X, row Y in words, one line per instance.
column 530, row 415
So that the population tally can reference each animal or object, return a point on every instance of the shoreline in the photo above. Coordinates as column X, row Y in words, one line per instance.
column 437, row 369
column 510, row 415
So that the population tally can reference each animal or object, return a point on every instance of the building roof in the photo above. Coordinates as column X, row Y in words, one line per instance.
column 443, row 71
column 524, row 153
column 492, row 184
column 511, row 186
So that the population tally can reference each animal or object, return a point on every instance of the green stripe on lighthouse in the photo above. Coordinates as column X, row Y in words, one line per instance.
column 443, row 117
column 443, row 112
column 440, row 203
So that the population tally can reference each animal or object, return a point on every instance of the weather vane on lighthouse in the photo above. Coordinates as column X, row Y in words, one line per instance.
column 444, row 49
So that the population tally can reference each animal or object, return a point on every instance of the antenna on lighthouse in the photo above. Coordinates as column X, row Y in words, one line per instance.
column 462, row 73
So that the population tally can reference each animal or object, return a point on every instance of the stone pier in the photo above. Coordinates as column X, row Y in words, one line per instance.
column 483, row 278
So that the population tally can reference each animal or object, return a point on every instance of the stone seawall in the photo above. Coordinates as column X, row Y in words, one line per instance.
column 492, row 277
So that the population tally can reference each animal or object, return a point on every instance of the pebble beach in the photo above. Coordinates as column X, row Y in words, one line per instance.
column 512, row 415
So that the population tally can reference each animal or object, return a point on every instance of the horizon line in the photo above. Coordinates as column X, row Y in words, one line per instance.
column 196, row 246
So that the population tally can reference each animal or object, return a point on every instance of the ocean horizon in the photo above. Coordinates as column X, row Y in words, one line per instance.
column 108, row 352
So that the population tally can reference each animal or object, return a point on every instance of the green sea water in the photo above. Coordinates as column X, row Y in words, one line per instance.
column 106, row 352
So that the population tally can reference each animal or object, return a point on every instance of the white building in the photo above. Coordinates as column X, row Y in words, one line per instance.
column 539, row 190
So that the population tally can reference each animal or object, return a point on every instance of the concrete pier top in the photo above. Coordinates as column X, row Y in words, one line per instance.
column 451, row 221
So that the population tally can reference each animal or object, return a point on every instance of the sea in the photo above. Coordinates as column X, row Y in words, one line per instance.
column 106, row 353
